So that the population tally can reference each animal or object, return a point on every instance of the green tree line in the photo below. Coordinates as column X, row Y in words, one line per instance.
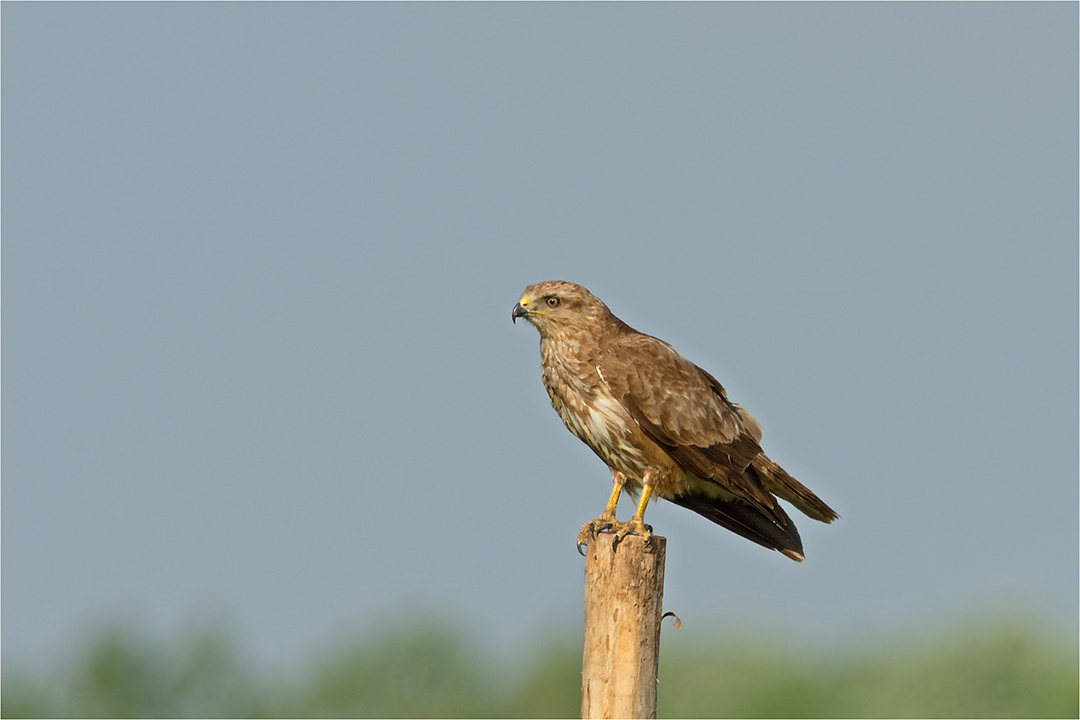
column 429, row 668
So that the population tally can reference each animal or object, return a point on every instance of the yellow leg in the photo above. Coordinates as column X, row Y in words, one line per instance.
column 617, row 482
column 607, row 520
column 639, row 514
column 637, row 525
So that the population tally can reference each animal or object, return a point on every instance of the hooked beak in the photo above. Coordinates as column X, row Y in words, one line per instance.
column 518, row 312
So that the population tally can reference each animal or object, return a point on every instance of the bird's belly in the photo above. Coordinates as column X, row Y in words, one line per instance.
column 601, row 423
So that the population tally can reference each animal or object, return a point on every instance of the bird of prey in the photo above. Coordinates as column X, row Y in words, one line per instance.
column 664, row 427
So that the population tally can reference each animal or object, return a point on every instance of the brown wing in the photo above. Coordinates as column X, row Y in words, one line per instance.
column 685, row 410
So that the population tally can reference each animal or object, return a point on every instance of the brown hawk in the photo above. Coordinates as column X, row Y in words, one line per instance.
column 663, row 426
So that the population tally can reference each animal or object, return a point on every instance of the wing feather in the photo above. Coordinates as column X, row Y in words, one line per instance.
column 686, row 412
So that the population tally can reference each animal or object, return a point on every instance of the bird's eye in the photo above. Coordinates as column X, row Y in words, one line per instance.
column 553, row 302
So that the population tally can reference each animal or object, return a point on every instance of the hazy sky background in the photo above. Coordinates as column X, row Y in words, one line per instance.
column 259, row 262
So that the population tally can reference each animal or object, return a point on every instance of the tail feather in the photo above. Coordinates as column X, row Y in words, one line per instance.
column 746, row 520
column 785, row 487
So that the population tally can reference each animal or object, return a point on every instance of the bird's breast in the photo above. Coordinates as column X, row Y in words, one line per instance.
column 592, row 413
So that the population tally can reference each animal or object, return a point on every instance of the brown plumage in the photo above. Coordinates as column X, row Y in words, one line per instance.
column 663, row 426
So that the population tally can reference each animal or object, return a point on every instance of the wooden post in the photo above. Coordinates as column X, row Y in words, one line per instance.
column 624, row 597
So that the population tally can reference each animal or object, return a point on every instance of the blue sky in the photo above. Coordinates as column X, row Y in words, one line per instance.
column 259, row 262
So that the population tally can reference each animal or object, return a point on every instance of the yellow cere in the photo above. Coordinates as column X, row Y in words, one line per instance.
column 524, row 302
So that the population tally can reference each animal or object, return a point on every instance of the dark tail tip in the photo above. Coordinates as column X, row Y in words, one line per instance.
column 746, row 520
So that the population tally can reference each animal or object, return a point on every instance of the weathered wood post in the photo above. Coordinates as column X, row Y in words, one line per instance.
column 624, row 598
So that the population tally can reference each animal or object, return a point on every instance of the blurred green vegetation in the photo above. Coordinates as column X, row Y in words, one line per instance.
column 422, row 667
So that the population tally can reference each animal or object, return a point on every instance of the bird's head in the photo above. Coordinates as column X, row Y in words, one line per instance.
column 555, row 306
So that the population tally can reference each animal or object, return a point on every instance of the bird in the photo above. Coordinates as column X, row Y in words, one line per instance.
column 664, row 427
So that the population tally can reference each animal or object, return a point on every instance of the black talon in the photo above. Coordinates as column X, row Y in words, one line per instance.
column 579, row 546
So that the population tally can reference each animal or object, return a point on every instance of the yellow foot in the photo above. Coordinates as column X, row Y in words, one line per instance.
column 604, row 523
column 636, row 526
